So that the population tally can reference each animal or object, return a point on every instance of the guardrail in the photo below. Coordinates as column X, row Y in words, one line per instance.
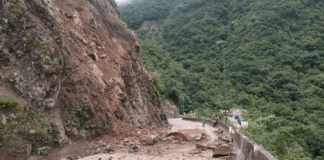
column 243, row 146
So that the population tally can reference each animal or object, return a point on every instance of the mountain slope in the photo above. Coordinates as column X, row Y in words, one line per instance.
column 274, row 66
column 74, row 72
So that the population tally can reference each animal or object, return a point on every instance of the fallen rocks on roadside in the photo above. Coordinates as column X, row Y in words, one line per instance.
column 162, row 137
column 196, row 151
column 228, row 140
column 177, row 136
column 170, row 138
column 201, row 146
column 174, row 141
column 133, row 148
column 96, row 151
column 109, row 149
column 148, row 139
column 222, row 142
column 212, row 145
column 120, row 146
column 223, row 138
column 222, row 150
column 70, row 158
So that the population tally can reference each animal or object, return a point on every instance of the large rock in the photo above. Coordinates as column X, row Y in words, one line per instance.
column 201, row 146
column 212, row 145
column 148, row 139
column 178, row 136
column 193, row 134
column 222, row 150
column 133, row 148
column 222, row 142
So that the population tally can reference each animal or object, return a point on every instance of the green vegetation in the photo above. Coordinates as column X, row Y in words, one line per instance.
column 83, row 134
column 9, row 102
column 21, row 124
column 5, row 26
column 44, row 57
column 146, row 10
column 274, row 64
column 17, row 9
column 44, row 150
column 79, row 109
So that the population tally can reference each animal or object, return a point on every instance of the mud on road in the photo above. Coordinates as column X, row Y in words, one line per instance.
column 174, row 149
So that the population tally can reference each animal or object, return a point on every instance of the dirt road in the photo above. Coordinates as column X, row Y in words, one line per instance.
column 170, row 151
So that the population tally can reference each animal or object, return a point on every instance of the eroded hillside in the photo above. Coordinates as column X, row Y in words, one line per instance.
column 72, row 71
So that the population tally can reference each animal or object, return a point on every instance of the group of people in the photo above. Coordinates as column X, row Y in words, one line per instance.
column 215, row 119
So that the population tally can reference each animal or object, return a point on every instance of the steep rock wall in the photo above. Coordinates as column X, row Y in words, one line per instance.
column 77, row 67
column 170, row 109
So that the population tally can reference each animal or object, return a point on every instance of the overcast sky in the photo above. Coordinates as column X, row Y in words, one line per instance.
column 120, row 1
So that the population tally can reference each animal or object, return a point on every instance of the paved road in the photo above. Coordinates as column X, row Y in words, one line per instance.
column 179, row 124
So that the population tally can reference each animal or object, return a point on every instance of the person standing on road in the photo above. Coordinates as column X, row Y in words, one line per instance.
column 216, row 121
column 203, row 120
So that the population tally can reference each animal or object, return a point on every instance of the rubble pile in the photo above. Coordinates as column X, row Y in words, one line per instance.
column 145, row 137
column 222, row 145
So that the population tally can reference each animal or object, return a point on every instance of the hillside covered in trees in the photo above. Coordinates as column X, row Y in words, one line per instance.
column 274, row 64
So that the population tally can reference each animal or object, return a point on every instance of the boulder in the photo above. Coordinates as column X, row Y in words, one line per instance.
column 162, row 137
column 190, row 134
column 178, row 135
column 109, row 149
column 222, row 142
column 148, row 139
column 223, row 138
column 201, row 146
column 223, row 150
column 229, row 140
column 170, row 138
column 133, row 148
column 212, row 145
column 120, row 146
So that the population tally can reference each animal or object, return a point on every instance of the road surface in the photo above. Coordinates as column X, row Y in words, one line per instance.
column 165, row 151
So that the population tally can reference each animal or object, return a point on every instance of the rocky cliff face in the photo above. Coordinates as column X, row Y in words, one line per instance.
column 78, row 70
column 171, row 110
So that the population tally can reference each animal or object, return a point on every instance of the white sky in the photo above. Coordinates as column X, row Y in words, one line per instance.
column 120, row 1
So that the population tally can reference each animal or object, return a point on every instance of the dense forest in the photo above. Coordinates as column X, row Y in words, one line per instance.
column 274, row 63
